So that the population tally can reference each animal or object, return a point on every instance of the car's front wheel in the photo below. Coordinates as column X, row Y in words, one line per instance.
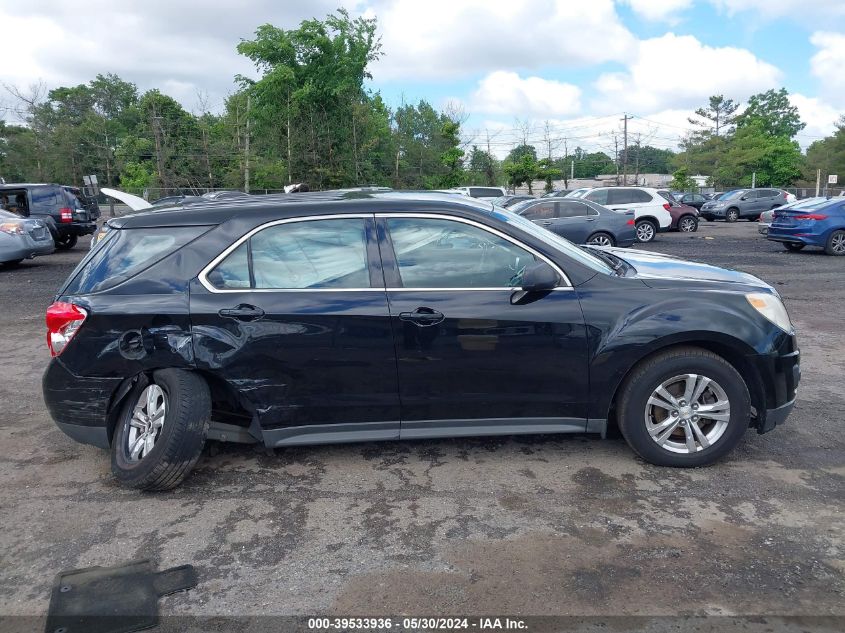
column 601, row 239
column 835, row 243
column 161, row 431
column 684, row 407
column 688, row 224
column 646, row 230
column 732, row 215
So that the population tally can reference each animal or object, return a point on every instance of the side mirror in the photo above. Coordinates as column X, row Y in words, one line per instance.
column 538, row 277
column 744, row 198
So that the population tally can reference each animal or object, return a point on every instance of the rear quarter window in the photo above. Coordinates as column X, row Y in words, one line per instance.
column 126, row 252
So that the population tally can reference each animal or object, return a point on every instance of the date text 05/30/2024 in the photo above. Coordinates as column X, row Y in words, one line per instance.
column 417, row 624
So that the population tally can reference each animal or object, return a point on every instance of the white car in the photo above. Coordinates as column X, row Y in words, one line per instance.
column 482, row 193
column 651, row 210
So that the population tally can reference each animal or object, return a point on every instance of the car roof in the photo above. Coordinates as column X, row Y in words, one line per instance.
column 273, row 206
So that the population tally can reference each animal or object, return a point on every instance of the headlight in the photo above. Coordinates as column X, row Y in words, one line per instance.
column 771, row 307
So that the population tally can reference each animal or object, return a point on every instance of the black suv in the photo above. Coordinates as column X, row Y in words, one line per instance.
column 340, row 317
column 67, row 211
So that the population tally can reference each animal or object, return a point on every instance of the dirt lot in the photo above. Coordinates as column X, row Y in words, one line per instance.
column 541, row 525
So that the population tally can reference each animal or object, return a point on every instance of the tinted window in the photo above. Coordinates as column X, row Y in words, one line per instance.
column 295, row 255
column 446, row 254
column 541, row 211
column 124, row 253
column 620, row 196
column 733, row 195
column 639, row 195
column 232, row 272
column 573, row 209
column 44, row 199
column 599, row 196
column 484, row 192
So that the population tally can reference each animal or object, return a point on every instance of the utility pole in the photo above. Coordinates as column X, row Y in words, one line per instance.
column 156, row 125
column 818, row 181
column 246, row 149
column 572, row 170
column 625, row 149
column 753, row 179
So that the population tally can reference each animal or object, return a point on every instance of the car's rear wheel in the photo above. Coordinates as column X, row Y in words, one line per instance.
column 646, row 230
column 161, row 431
column 601, row 239
column 688, row 224
column 835, row 243
column 66, row 242
column 732, row 215
column 684, row 407
column 793, row 246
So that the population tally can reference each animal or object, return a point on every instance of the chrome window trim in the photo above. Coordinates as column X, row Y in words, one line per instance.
column 203, row 275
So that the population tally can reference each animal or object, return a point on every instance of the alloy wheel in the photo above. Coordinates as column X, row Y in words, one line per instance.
column 145, row 425
column 686, row 225
column 645, row 232
column 687, row 413
column 837, row 243
column 601, row 240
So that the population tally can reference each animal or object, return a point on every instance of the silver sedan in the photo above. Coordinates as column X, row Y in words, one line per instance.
column 23, row 238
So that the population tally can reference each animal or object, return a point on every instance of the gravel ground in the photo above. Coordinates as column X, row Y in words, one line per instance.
column 524, row 525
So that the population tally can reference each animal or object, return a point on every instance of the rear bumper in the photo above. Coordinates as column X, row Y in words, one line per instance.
column 79, row 406
column 795, row 236
column 76, row 228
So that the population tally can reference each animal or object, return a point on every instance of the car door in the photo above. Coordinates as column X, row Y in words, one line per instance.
column 294, row 315
column 474, row 355
column 542, row 212
column 575, row 221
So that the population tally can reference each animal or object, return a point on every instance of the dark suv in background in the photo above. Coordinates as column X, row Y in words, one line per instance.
column 743, row 203
column 67, row 211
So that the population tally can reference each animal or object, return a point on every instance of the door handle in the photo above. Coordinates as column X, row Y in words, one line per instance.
column 545, row 222
column 591, row 219
column 424, row 317
column 242, row 312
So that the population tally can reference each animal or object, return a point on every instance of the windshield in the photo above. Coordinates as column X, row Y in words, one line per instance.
column 560, row 243
column 578, row 193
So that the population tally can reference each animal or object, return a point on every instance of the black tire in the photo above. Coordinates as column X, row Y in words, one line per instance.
column 793, row 247
column 651, row 373
column 67, row 242
column 732, row 215
column 180, row 439
column 646, row 230
column 688, row 224
column 11, row 263
column 709, row 218
column 601, row 235
column 835, row 243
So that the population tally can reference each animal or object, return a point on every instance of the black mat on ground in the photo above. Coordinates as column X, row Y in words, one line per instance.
column 117, row 599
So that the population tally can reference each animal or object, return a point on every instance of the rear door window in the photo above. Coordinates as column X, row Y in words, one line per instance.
column 573, row 209
column 44, row 199
column 599, row 196
column 540, row 211
column 126, row 252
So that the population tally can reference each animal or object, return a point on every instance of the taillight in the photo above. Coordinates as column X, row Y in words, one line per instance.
column 631, row 222
column 811, row 216
column 63, row 322
column 667, row 206
column 66, row 214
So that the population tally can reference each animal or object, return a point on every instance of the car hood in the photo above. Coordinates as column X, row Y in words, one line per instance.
column 658, row 270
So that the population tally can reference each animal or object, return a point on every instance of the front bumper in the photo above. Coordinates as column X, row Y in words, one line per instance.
column 780, row 373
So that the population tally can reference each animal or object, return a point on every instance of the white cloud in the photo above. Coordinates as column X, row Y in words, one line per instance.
column 446, row 39
column 771, row 9
column 829, row 62
column 679, row 72
column 819, row 116
column 658, row 10
column 505, row 92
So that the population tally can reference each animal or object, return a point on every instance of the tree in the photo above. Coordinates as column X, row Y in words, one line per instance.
column 547, row 171
column 718, row 116
column 481, row 168
column 773, row 112
column 521, row 171
column 776, row 160
column 682, row 182
column 516, row 154
column 828, row 154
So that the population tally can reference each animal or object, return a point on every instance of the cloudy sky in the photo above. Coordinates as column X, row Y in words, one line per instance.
column 575, row 66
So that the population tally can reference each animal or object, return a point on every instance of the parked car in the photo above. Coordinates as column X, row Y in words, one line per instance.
column 696, row 200
column 743, row 203
column 684, row 217
column 820, row 223
column 390, row 316
column 23, row 238
column 66, row 211
column 510, row 200
column 557, row 193
column 651, row 209
column 581, row 221
column 765, row 220
column 484, row 193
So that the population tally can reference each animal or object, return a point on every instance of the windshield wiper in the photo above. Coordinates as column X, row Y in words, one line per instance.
column 616, row 263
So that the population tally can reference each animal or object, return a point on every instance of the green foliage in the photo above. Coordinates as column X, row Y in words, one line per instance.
column 521, row 171
column 682, row 182
column 828, row 155
column 547, row 171
column 719, row 116
column 772, row 112
column 482, row 168
column 587, row 165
